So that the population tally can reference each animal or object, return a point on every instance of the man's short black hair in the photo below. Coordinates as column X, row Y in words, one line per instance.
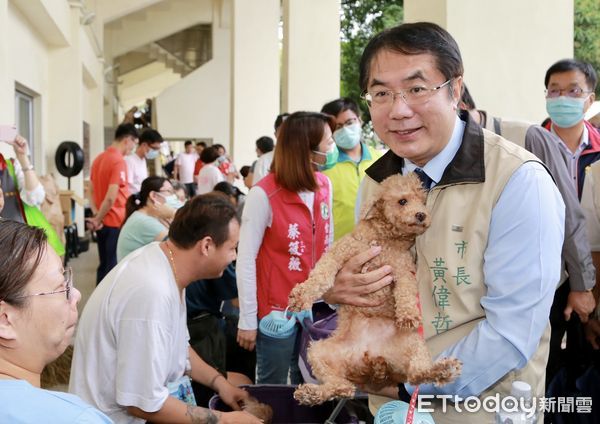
column 207, row 215
column 279, row 120
column 414, row 39
column 566, row 65
column 337, row 106
column 126, row 130
column 210, row 154
column 245, row 170
column 265, row 144
column 150, row 136
column 201, row 143
column 187, row 143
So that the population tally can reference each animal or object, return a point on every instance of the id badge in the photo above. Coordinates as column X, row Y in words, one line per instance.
column 182, row 389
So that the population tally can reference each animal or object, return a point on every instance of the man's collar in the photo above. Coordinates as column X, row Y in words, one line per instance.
column 466, row 165
column 117, row 148
column 583, row 141
column 585, row 138
column 364, row 155
column 436, row 166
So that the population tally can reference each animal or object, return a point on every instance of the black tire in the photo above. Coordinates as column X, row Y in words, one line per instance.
column 69, row 159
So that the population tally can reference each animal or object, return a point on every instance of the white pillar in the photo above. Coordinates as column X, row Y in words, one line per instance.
column 311, row 54
column 506, row 47
column 254, row 75
column 7, row 90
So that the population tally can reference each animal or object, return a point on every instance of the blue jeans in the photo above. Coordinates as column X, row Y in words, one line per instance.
column 275, row 358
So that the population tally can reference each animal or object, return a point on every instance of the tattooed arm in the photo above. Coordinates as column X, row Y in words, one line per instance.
column 201, row 415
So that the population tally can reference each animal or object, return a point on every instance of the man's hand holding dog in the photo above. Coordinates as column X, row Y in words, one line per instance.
column 351, row 285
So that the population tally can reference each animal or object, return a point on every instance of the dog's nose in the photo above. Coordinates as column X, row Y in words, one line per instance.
column 420, row 216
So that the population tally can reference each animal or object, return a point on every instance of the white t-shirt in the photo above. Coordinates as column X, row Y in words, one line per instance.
column 132, row 338
column 137, row 171
column 262, row 167
column 208, row 178
column 186, row 163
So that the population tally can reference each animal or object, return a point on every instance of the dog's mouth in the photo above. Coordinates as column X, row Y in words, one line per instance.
column 417, row 226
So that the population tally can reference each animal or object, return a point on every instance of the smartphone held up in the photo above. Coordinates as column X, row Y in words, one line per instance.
column 8, row 134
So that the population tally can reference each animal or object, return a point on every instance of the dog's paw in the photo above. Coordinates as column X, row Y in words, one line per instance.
column 447, row 370
column 297, row 302
column 309, row 394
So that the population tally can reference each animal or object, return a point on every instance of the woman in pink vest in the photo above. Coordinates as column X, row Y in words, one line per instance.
column 286, row 227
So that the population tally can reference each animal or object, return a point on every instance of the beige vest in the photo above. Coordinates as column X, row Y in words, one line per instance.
column 450, row 268
column 514, row 131
column 590, row 202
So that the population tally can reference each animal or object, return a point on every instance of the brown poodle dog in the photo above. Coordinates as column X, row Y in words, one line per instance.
column 376, row 346
column 259, row 410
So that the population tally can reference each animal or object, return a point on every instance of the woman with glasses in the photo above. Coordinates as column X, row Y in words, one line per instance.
column 148, row 215
column 38, row 313
column 286, row 226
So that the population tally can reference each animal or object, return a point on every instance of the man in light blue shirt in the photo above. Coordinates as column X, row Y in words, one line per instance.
column 493, row 196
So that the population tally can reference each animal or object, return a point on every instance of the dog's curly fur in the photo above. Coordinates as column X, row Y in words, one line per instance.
column 260, row 410
column 374, row 346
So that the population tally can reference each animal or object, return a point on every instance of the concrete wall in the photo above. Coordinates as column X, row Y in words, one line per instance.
column 45, row 50
column 145, row 82
column 506, row 47
column 198, row 105
column 155, row 22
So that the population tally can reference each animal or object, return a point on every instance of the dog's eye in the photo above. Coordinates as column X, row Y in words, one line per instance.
column 402, row 202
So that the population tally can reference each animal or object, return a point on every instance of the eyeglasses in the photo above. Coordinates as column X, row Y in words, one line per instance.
column 348, row 123
column 68, row 276
column 574, row 92
column 412, row 96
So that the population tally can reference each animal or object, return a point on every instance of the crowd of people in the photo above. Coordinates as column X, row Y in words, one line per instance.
column 506, row 269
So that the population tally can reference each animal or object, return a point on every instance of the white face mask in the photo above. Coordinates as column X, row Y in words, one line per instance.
column 152, row 154
column 172, row 201
column 348, row 136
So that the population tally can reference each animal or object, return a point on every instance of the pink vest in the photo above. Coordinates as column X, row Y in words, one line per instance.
column 292, row 245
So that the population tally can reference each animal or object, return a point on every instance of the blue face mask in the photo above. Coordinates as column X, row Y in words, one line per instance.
column 348, row 137
column 152, row 154
column 565, row 111
column 331, row 158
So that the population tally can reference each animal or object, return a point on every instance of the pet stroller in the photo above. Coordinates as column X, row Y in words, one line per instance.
column 281, row 397
column 286, row 410
column 323, row 324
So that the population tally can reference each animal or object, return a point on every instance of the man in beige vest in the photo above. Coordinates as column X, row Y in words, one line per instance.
column 488, row 265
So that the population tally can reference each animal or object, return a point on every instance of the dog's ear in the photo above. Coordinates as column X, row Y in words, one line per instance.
column 370, row 210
